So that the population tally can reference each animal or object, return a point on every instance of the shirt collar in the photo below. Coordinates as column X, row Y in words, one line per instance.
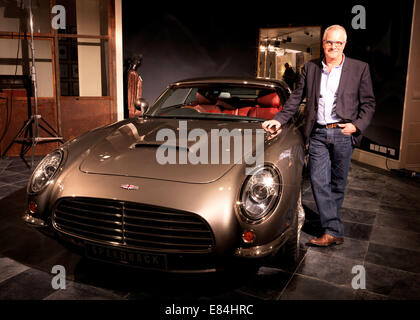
column 324, row 65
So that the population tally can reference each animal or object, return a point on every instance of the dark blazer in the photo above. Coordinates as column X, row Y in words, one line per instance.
column 355, row 98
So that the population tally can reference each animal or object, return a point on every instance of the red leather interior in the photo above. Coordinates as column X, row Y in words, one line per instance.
column 203, row 104
column 238, row 112
column 263, row 113
column 243, row 111
column 208, row 108
column 267, row 107
column 200, row 99
column 271, row 100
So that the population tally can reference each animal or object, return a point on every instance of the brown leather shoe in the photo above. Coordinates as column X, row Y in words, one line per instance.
column 326, row 240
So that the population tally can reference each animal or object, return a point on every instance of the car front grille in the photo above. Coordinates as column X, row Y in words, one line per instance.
column 133, row 225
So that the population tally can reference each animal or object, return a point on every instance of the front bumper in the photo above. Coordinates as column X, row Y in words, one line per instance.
column 34, row 222
column 264, row 250
column 177, row 262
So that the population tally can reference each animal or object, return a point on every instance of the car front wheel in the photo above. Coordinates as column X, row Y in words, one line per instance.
column 291, row 247
column 290, row 252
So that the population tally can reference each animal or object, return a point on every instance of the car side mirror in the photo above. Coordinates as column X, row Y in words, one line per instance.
column 141, row 105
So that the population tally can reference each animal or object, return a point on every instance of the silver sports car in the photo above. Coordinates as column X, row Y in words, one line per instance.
column 191, row 185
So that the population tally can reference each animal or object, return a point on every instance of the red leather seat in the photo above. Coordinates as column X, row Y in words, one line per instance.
column 232, row 112
column 235, row 107
column 239, row 111
column 203, row 104
column 268, row 106
column 226, row 107
column 208, row 108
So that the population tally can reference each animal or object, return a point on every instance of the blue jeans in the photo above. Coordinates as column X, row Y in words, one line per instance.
column 329, row 162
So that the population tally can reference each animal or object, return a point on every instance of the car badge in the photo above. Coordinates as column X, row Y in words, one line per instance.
column 129, row 187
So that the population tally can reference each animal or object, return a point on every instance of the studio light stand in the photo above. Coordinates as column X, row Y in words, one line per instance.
column 28, row 135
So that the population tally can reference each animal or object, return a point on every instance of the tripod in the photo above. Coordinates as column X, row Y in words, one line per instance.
column 28, row 135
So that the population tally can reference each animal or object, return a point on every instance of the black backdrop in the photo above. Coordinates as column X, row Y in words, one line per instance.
column 191, row 39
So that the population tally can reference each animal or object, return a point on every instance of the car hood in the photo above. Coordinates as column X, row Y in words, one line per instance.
column 134, row 149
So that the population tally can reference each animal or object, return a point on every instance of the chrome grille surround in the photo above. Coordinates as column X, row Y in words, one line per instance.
column 132, row 225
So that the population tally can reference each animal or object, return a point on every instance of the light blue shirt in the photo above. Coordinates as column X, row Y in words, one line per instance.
column 328, row 94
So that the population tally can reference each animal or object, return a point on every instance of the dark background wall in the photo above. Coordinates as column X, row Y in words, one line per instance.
column 191, row 39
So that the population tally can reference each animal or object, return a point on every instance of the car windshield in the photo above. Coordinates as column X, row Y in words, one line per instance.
column 227, row 101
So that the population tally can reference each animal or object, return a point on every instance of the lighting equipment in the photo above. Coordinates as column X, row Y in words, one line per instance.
column 28, row 135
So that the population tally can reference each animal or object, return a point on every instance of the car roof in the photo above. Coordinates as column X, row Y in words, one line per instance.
column 231, row 80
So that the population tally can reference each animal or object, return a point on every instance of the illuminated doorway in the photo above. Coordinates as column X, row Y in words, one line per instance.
column 294, row 46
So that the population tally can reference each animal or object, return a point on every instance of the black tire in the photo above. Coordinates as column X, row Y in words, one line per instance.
column 291, row 247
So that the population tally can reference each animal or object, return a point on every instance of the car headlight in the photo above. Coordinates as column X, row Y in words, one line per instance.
column 260, row 193
column 45, row 170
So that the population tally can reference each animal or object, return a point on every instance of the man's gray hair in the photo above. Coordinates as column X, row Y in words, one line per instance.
column 335, row 27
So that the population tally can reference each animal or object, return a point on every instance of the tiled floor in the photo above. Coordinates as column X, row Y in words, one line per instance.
column 382, row 233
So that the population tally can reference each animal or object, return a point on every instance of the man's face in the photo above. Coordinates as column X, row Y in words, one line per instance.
column 333, row 50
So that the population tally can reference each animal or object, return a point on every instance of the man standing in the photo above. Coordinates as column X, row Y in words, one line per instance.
column 340, row 106
column 289, row 76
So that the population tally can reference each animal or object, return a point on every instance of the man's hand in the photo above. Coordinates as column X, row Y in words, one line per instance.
column 271, row 126
column 348, row 128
